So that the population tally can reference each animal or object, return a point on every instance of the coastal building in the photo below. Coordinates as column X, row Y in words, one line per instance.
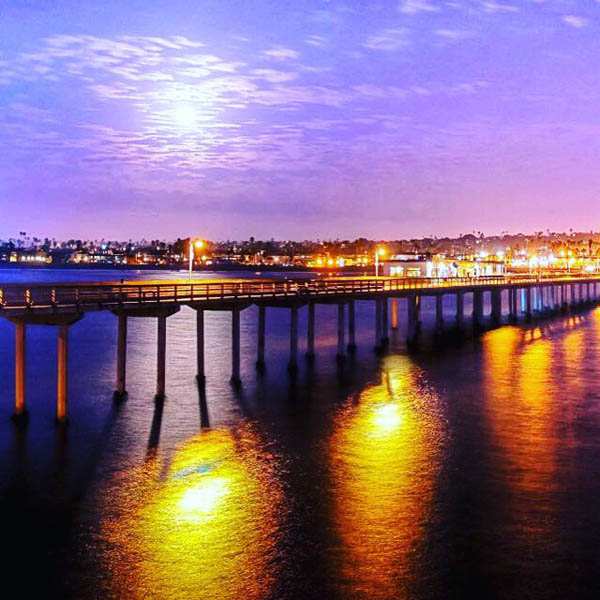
column 405, row 265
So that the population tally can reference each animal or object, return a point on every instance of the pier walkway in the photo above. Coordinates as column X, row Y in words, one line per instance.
column 63, row 305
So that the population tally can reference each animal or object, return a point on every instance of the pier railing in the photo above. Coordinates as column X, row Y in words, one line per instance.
column 92, row 296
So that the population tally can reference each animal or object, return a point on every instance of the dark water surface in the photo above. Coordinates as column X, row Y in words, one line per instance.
column 471, row 470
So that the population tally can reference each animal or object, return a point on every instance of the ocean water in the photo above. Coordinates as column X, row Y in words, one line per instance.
column 460, row 469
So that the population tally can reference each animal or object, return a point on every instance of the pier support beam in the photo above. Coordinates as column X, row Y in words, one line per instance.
column 528, row 311
column 20, row 413
column 460, row 310
column 413, row 306
column 310, row 333
column 341, row 326
column 293, row 362
column 62, row 355
column 477, row 309
column 563, row 297
column 121, row 384
column 260, row 342
column 496, row 306
column 512, row 304
column 351, row 327
column 161, row 357
column 378, row 319
column 235, row 347
column 385, row 329
column 439, row 313
column 394, row 307
column 200, row 372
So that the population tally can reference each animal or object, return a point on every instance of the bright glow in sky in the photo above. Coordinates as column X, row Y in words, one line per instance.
column 228, row 119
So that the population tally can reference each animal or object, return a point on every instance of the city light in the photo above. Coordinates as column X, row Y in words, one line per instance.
column 415, row 258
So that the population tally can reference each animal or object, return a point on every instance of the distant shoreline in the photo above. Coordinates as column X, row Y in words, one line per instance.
column 208, row 269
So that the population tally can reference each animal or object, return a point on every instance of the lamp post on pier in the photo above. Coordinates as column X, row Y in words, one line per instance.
column 378, row 252
column 192, row 246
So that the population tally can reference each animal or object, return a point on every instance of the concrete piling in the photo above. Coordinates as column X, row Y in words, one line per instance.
column 62, row 355
column 261, row 333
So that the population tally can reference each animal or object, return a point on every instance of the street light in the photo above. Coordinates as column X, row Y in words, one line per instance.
column 194, row 244
column 378, row 252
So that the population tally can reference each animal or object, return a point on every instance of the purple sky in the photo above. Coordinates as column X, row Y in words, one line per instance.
column 298, row 120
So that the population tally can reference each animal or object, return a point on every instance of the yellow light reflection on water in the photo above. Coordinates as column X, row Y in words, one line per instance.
column 384, row 457
column 386, row 419
column 201, row 502
column 522, row 406
column 201, row 525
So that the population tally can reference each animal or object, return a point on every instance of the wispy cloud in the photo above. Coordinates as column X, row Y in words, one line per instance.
column 575, row 21
column 281, row 53
column 453, row 35
column 388, row 39
column 316, row 40
column 412, row 7
column 499, row 7
column 273, row 75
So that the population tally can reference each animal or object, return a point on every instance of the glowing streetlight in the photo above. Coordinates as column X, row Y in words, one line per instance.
column 378, row 252
column 194, row 244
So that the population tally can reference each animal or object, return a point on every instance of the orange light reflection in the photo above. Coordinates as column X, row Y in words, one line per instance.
column 384, row 457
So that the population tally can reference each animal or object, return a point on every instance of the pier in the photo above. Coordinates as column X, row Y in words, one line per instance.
column 63, row 305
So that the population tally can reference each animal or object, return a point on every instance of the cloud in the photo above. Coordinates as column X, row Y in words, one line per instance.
column 281, row 53
column 274, row 76
column 145, row 109
column 575, row 21
column 453, row 35
column 412, row 7
column 498, row 7
column 388, row 39
column 318, row 41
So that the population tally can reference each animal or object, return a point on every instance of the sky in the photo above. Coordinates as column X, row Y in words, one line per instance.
column 294, row 120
